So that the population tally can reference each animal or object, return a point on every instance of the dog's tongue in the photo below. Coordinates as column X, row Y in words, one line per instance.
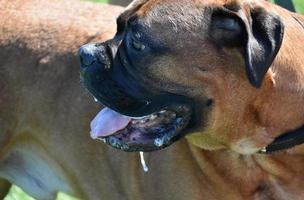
column 107, row 122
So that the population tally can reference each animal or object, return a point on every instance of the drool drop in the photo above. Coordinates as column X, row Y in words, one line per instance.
column 143, row 163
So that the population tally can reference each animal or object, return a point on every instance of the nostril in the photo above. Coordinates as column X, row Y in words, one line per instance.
column 87, row 55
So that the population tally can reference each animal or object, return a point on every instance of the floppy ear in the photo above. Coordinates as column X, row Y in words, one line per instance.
column 264, row 39
column 259, row 37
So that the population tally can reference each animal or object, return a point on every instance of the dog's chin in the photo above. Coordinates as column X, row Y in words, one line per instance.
column 147, row 133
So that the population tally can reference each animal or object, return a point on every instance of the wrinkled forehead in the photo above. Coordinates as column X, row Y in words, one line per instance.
column 174, row 11
column 170, row 11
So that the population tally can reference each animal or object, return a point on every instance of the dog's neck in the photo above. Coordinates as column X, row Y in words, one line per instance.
column 286, row 141
column 280, row 102
column 288, row 97
column 227, row 171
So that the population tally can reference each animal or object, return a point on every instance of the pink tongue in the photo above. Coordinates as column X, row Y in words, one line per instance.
column 107, row 122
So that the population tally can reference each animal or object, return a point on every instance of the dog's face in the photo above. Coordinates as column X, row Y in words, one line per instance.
column 179, row 68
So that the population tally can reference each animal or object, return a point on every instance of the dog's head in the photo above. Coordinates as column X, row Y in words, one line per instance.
column 177, row 68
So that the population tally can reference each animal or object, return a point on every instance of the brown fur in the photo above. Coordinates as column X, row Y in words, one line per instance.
column 45, row 113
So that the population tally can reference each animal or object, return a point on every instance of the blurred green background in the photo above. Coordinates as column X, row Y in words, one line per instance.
column 17, row 194
column 299, row 4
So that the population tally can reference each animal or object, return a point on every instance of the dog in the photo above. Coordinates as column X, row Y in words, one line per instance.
column 217, row 82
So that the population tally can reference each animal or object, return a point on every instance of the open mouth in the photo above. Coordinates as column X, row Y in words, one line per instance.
column 136, row 118
column 147, row 133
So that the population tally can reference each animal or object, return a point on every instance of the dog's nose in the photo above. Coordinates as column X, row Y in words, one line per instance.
column 87, row 55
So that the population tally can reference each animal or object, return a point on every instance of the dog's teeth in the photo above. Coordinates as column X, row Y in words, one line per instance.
column 101, row 139
column 172, row 115
column 153, row 117
column 95, row 99
column 158, row 142
column 264, row 150
column 138, row 118
column 179, row 120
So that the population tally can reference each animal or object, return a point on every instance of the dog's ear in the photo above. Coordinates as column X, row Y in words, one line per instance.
column 265, row 35
column 260, row 37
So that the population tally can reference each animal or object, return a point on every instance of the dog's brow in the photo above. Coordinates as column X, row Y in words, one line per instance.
column 133, row 18
column 128, row 14
column 121, row 23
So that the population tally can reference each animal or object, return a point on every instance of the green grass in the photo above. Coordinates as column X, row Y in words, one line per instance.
column 17, row 194
column 299, row 4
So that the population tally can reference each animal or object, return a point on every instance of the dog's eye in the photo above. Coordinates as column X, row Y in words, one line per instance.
column 138, row 45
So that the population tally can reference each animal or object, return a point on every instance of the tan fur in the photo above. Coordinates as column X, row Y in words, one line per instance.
column 45, row 114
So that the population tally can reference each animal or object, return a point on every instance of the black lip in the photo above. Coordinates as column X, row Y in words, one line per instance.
column 115, row 88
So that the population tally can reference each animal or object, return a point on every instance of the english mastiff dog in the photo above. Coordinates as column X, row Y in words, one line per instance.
column 217, row 82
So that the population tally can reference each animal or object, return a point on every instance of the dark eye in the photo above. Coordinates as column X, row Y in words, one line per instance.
column 138, row 46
